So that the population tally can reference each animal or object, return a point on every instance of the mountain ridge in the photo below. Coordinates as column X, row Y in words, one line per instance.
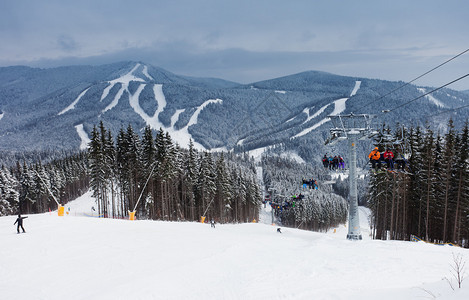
column 41, row 108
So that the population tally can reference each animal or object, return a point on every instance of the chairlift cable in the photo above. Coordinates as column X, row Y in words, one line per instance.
column 400, row 87
column 421, row 96
column 447, row 111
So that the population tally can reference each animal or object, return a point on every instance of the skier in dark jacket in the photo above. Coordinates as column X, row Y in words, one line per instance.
column 19, row 220
column 325, row 161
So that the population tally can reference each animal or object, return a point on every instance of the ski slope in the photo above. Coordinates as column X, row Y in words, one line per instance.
column 181, row 136
column 339, row 107
column 77, row 257
column 85, row 140
column 432, row 99
column 74, row 103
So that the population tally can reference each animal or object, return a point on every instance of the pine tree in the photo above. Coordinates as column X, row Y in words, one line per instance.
column 205, row 183
column 26, row 180
column 448, row 166
column 428, row 179
column 222, row 191
column 97, row 168
column 190, row 171
column 462, row 174
column 9, row 195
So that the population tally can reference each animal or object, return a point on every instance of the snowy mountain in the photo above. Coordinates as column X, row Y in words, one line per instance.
column 81, row 257
column 44, row 109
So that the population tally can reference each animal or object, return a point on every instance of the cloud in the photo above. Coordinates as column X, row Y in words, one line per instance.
column 242, row 40
column 66, row 43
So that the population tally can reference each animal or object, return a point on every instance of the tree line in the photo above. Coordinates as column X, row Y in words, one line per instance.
column 431, row 198
column 159, row 180
column 318, row 210
column 27, row 187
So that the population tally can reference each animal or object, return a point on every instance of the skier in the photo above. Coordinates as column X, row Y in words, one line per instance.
column 331, row 162
column 325, row 161
column 278, row 230
column 212, row 223
column 341, row 162
column 19, row 220
column 305, row 183
column 374, row 158
column 388, row 158
column 335, row 162
column 399, row 160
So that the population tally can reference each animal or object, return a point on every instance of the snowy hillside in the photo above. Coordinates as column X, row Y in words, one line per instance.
column 79, row 257
column 43, row 109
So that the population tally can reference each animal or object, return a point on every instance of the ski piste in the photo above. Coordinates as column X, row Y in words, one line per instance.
column 78, row 257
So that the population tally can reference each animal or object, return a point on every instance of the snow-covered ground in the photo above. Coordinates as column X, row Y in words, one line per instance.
column 85, row 140
column 72, row 105
column 432, row 99
column 339, row 107
column 78, row 257
column 181, row 136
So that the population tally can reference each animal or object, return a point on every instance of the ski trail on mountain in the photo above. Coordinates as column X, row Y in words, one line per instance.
column 124, row 81
column 72, row 106
column 160, row 98
column 193, row 120
column 339, row 107
column 175, row 117
column 316, row 114
column 355, row 88
column 116, row 98
column 432, row 99
column 145, row 72
column 85, row 140
column 182, row 135
column 106, row 91
column 153, row 121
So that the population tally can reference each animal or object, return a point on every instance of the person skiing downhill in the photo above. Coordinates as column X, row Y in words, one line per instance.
column 19, row 220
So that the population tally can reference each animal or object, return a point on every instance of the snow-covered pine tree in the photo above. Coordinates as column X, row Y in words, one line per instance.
column 222, row 193
column 9, row 195
column 462, row 176
column 149, row 165
column 428, row 178
column 449, row 155
column 26, row 180
column 205, row 187
column 190, row 171
column 97, row 168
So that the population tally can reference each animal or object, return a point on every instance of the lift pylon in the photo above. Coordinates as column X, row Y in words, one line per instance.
column 352, row 128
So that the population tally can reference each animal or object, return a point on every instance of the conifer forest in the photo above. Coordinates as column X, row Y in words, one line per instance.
column 430, row 197
column 150, row 174
column 161, row 181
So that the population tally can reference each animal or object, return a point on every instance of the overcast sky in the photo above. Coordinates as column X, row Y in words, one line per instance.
column 244, row 41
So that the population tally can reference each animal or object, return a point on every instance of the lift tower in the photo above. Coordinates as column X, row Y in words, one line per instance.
column 352, row 128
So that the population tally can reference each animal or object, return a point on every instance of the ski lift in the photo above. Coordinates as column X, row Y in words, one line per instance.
column 397, row 142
